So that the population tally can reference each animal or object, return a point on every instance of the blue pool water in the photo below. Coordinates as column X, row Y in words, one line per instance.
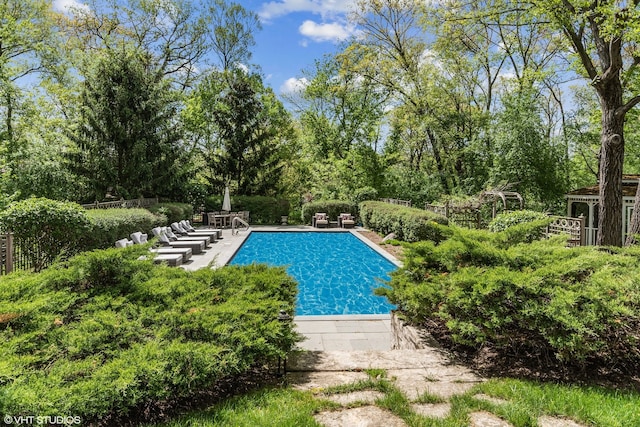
column 336, row 272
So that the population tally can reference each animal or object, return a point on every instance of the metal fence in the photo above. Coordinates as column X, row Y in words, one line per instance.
column 465, row 216
column 397, row 202
column 132, row 203
column 6, row 253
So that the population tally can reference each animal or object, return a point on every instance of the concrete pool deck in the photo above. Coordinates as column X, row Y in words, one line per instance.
column 322, row 333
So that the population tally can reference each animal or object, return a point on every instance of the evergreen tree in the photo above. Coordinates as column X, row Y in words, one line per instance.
column 128, row 137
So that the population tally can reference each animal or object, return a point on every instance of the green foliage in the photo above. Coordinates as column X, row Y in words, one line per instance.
column 508, row 219
column 109, row 225
column 526, row 155
column 45, row 229
column 332, row 208
column 244, row 128
column 127, row 137
column 104, row 332
column 173, row 211
column 363, row 194
column 578, row 304
column 408, row 224
column 262, row 209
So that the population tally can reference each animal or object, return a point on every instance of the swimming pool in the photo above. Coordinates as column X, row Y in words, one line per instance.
column 336, row 271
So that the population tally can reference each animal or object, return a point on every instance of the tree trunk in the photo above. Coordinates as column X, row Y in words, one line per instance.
column 611, row 162
column 634, row 227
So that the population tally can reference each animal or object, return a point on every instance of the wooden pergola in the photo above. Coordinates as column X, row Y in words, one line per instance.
column 506, row 197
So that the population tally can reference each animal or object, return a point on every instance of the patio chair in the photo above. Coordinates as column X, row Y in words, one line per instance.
column 320, row 220
column 345, row 220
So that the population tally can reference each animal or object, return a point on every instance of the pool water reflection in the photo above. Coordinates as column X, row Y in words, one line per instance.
column 336, row 271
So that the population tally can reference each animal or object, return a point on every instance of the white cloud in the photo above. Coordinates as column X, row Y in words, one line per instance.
column 333, row 32
column 294, row 85
column 68, row 6
column 324, row 8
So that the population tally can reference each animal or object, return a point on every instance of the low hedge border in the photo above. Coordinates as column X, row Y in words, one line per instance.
column 408, row 224
column 109, row 225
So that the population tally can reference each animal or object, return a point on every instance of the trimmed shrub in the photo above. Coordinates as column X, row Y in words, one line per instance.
column 109, row 225
column 45, row 229
column 262, row 209
column 408, row 224
column 508, row 219
column 105, row 333
column 333, row 208
column 578, row 305
column 174, row 212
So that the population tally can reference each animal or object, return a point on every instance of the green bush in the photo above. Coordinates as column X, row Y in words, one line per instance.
column 104, row 333
column 508, row 219
column 175, row 212
column 44, row 229
column 408, row 224
column 262, row 209
column 580, row 304
column 333, row 208
column 109, row 225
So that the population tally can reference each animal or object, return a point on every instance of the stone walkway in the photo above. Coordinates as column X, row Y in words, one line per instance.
column 426, row 378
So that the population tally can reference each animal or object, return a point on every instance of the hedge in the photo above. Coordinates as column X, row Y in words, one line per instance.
column 408, row 224
column 104, row 334
column 45, row 229
column 262, row 209
column 109, row 225
column 332, row 207
column 175, row 212
column 577, row 305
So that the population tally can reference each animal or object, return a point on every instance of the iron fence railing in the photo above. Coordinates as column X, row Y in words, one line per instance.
column 397, row 202
column 131, row 203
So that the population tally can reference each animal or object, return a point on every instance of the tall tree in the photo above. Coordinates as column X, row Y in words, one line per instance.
column 242, row 129
column 26, row 34
column 232, row 35
column 171, row 32
column 128, row 138
column 604, row 37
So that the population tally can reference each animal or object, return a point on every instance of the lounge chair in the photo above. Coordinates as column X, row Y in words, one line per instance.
column 173, row 260
column 188, row 227
column 196, row 246
column 167, row 231
column 123, row 243
column 139, row 238
column 345, row 220
column 179, row 229
column 185, row 253
column 320, row 220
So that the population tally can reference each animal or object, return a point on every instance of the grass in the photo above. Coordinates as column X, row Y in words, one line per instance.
column 526, row 401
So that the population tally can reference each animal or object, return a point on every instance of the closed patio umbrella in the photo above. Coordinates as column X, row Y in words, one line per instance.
column 226, row 202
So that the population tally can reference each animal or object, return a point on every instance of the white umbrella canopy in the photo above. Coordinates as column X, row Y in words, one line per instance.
column 226, row 202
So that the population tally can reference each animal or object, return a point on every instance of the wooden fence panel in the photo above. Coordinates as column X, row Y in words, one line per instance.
column 574, row 227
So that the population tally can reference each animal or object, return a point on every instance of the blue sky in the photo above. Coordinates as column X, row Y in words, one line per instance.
column 294, row 34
